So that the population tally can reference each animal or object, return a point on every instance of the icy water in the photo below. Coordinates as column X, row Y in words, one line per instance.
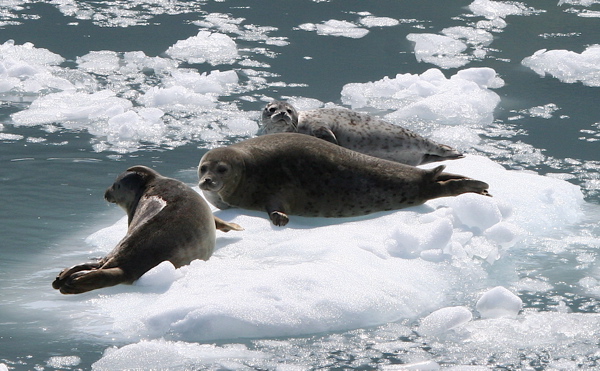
column 88, row 89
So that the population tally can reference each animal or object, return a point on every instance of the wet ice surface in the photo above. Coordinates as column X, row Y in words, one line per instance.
column 457, row 281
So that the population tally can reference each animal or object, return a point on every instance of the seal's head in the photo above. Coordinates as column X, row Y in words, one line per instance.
column 220, row 168
column 129, row 186
column 278, row 117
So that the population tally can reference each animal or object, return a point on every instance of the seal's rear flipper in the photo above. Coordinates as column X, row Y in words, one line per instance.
column 454, row 184
column 226, row 226
column 84, row 281
column 66, row 273
column 455, row 187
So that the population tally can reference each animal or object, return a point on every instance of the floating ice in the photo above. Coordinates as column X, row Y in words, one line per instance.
column 452, row 49
column 206, row 47
column 72, row 109
column 146, row 99
column 270, row 282
column 559, row 334
column 215, row 82
column 499, row 302
column 26, row 70
column 443, row 51
column 568, row 66
column 421, row 366
column 578, row 2
column 160, row 354
column 63, row 362
column 464, row 98
column 443, row 320
column 27, row 52
column 546, row 111
column 336, row 28
column 102, row 62
column 176, row 96
column 124, row 14
column 498, row 9
column 372, row 21
column 225, row 23
column 472, row 36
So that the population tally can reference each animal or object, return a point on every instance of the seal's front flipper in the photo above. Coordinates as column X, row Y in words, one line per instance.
column 277, row 212
column 84, row 281
column 278, row 218
column 325, row 134
column 66, row 273
column 226, row 226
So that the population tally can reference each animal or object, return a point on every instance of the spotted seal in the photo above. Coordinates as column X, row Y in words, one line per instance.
column 297, row 174
column 356, row 131
column 167, row 220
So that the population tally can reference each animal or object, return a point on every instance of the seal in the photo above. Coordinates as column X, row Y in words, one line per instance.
column 296, row 174
column 356, row 131
column 167, row 220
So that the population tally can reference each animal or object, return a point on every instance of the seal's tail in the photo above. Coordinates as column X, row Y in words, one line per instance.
column 454, row 184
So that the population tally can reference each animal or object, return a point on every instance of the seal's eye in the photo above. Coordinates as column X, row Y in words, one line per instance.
column 222, row 169
column 272, row 109
column 203, row 169
column 289, row 111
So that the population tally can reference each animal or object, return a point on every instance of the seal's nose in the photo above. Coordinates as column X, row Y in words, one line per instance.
column 108, row 195
column 205, row 183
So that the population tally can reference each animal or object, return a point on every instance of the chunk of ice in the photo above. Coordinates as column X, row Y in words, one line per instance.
column 443, row 320
column 499, row 302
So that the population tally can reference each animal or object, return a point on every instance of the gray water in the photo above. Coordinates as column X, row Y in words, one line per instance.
column 52, row 181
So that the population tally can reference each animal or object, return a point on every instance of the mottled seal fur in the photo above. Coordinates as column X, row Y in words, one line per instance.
column 298, row 174
column 356, row 131
column 167, row 220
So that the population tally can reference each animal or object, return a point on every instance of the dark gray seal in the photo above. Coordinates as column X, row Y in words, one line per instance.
column 301, row 175
column 167, row 220
column 356, row 131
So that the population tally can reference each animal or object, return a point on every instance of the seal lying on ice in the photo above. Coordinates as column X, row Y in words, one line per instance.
column 167, row 220
column 290, row 173
column 356, row 131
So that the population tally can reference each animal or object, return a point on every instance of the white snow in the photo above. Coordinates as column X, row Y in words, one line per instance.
column 568, row 66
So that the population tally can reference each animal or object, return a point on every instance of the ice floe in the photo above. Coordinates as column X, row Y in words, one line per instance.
column 568, row 66
column 334, row 27
column 464, row 98
column 345, row 273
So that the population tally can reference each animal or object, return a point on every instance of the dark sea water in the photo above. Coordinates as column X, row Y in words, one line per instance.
column 53, row 172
